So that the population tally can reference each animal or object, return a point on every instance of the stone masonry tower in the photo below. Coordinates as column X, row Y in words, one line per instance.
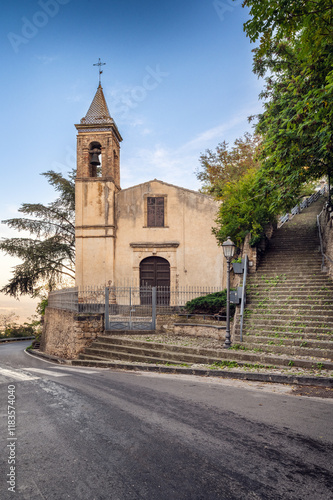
column 97, row 181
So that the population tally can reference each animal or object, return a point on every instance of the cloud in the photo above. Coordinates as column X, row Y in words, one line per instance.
column 165, row 164
column 47, row 59
column 178, row 166
column 216, row 134
column 75, row 98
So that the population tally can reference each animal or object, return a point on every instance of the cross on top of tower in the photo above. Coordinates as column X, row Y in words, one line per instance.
column 100, row 64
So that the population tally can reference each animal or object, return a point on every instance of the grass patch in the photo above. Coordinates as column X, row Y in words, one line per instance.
column 224, row 364
column 237, row 347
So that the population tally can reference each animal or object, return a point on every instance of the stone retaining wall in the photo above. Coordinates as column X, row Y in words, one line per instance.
column 173, row 324
column 256, row 252
column 66, row 333
column 326, row 222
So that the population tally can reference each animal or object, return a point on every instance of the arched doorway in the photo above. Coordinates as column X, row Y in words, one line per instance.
column 155, row 271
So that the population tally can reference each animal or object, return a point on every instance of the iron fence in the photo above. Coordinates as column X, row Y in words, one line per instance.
column 88, row 299
column 169, row 300
column 135, row 308
column 304, row 204
column 93, row 298
column 130, row 308
column 66, row 299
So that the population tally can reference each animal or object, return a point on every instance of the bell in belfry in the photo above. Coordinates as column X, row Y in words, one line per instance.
column 94, row 156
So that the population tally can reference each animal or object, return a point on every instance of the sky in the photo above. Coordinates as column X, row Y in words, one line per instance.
column 177, row 79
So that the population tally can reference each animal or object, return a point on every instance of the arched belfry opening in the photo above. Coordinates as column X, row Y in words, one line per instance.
column 95, row 159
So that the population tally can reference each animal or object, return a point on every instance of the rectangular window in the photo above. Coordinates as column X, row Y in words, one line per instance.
column 155, row 211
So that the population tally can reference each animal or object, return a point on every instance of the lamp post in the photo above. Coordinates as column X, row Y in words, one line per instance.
column 228, row 251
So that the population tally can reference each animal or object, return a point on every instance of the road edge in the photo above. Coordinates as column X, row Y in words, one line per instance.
column 254, row 377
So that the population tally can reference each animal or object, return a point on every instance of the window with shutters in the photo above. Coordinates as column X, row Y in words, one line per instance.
column 155, row 211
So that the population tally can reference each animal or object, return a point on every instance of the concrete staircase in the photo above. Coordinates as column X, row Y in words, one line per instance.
column 290, row 300
column 116, row 347
column 110, row 348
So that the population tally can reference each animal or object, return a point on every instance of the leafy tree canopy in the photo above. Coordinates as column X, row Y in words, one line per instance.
column 243, row 211
column 48, row 255
column 296, row 55
column 225, row 165
column 273, row 20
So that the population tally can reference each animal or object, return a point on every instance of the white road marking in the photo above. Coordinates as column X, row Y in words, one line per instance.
column 65, row 366
column 45, row 372
column 75, row 370
column 16, row 375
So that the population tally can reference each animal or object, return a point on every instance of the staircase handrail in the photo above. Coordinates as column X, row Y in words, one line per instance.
column 243, row 299
column 323, row 255
column 304, row 204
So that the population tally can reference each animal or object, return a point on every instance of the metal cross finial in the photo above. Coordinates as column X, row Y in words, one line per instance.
column 100, row 64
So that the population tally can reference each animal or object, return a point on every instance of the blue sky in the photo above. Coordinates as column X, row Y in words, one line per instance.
column 178, row 80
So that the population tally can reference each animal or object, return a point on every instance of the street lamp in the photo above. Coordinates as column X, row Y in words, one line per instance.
column 228, row 251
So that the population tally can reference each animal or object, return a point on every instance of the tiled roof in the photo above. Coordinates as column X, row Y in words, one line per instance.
column 98, row 113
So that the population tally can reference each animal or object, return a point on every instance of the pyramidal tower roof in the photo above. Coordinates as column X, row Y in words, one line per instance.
column 98, row 113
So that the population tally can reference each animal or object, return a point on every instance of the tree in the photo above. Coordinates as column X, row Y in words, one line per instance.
column 274, row 20
column 296, row 52
column 220, row 167
column 243, row 211
column 7, row 320
column 48, row 255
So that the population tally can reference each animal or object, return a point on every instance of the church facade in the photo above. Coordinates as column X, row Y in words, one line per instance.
column 154, row 233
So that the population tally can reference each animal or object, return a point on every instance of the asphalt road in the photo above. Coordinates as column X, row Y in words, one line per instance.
column 95, row 434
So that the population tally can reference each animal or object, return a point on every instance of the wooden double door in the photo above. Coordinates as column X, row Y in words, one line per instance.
column 155, row 271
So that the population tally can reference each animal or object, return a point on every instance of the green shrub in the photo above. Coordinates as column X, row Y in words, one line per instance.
column 212, row 303
column 24, row 330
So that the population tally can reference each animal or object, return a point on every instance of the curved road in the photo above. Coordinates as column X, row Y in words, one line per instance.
column 99, row 434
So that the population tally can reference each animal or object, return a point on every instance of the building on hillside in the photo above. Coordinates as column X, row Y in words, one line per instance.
column 153, row 233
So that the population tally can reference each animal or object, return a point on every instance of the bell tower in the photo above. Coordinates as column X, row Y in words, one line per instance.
column 97, row 181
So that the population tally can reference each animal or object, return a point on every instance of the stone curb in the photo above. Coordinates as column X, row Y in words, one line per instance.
column 48, row 357
column 254, row 377
column 16, row 339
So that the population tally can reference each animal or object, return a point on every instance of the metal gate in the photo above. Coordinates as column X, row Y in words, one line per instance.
column 130, row 308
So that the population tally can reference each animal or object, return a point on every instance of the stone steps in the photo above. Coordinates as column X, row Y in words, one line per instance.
column 296, row 280
column 268, row 335
column 289, row 309
column 311, row 343
column 303, row 349
column 274, row 319
column 150, row 352
column 256, row 327
column 268, row 311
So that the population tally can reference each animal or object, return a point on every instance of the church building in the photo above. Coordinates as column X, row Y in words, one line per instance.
column 154, row 233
